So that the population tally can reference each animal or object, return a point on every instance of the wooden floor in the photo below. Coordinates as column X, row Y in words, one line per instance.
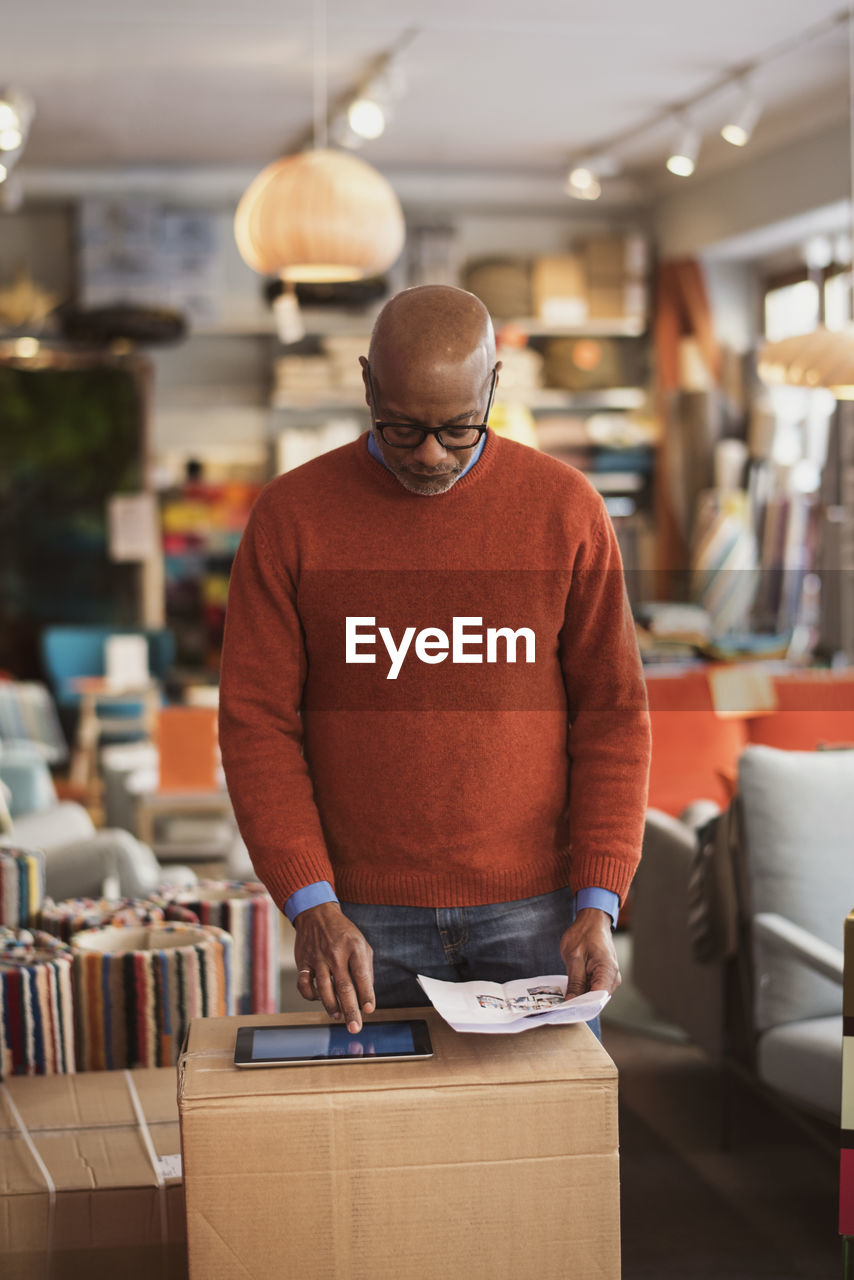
column 763, row 1208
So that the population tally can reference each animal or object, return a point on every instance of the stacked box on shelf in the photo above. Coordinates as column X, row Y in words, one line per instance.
column 615, row 270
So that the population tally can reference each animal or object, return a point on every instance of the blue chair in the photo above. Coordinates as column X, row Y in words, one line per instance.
column 69, row 652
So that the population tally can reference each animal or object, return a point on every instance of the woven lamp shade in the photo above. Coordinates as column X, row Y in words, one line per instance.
column 823, row 358
column 320, row 215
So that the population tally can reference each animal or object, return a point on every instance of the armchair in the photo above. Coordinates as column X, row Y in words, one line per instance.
column 766, row 890
column 80, row 861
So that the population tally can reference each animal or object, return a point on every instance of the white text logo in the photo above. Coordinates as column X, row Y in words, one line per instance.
column 432, row 645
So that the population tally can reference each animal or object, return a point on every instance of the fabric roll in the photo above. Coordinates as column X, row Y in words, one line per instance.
column 136, row 987
column 73, row 915
column 36, row 1007
column 244, row 909
column 21, row 886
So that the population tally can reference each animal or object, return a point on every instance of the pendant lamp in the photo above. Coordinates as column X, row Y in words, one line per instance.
column 319, row 216
column 824, row 357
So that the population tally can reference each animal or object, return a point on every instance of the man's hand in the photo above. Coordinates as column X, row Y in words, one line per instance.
column 587, row 950
column 335, row 963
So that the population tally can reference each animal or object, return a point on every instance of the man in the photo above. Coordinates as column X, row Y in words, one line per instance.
column 433, row 717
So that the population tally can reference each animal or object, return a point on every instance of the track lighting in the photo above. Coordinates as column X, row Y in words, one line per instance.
column 583, row 184
column 585, row 177
column 683, row 159
column 366, row 117
column 16, row 113
column 743, row 119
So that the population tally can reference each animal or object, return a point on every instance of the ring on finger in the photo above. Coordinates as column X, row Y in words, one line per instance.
column 310, row 973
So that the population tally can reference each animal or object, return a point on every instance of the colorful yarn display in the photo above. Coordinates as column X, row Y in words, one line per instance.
column 63, row 919
column 244, row 909
column 36, row 1010
column 137, row 987
column 21, row 886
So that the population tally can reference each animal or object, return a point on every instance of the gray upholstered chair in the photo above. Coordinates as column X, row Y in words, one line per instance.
column 766, row 910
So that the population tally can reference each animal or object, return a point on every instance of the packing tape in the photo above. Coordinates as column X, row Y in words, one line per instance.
column 152, row 1155
column 21, row 886
column 42, row 1168
column 137, row 987
column 244, row 909
column 36, row 1004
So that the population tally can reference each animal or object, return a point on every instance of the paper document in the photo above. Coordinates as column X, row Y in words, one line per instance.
column 506, row 1008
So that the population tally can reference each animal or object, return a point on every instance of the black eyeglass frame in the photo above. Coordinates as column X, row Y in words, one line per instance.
column 479, row 427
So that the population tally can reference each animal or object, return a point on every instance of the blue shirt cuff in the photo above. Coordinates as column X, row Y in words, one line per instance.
column 310, row 896
column 604, row 899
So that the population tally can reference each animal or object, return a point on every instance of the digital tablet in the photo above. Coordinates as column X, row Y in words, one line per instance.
column 304, row 1044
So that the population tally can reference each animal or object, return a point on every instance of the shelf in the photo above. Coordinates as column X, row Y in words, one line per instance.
column 618, row 327
column 539, row 400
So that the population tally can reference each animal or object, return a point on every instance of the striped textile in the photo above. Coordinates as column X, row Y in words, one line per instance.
column 21, row 886
column 63, row 919
column 137, row 987
column 244, row 909
column 846, row 1157
column 36, row 1008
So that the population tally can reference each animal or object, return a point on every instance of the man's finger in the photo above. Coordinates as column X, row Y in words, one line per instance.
column 326, row 992
column 363, row 978
column 348, row 1003
column 305, row 984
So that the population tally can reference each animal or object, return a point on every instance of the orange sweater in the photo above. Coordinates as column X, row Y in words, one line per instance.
column 375, row 731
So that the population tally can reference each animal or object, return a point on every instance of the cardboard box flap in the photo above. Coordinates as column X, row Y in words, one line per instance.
column 206, row 1070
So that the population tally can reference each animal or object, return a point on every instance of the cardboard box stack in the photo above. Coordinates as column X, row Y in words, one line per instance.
column 89, row 1184
column 559, row 290
column 615, row 269
column 496, row 1158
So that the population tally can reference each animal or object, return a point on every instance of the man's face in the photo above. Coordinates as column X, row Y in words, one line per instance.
column 448, row 395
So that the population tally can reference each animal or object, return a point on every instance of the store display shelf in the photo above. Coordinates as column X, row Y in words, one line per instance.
column 330, row 399
column 537, row 399
column 616, row 327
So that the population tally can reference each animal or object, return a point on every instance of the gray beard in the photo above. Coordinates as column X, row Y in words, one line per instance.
column 426, row 493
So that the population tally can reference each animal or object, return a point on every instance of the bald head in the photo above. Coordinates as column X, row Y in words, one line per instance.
column 432, row 365
column 431, row 328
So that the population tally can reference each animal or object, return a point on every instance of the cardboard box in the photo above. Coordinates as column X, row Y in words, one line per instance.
column 496, row 1158
column 559, row 290
column 109, row 1218
column 610, row 259
column 622, row 301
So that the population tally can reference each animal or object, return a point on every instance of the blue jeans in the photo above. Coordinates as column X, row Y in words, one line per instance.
column 496, row 942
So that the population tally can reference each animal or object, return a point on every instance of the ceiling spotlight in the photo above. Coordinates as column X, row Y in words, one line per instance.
column 366, row 118
column 4, row 173
column 16, row 111
column 683, row 159
column 585, row 177
column 583, row 184
column 743, row 119
column 10, row 139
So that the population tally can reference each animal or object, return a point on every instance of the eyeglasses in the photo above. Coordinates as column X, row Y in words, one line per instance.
column 401, row 435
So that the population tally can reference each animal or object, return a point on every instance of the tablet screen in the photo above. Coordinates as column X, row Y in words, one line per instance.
column 257, row 1046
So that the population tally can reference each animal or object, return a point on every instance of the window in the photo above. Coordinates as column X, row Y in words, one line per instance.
column 790, row 309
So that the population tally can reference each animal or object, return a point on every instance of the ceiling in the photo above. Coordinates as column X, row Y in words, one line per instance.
column 491, row 86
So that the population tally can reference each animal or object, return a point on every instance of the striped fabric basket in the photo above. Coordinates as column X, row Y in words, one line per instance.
column 21, row 886
column 36, row 1010
column 245, row 909
column 63, row 919
column 137, row 987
